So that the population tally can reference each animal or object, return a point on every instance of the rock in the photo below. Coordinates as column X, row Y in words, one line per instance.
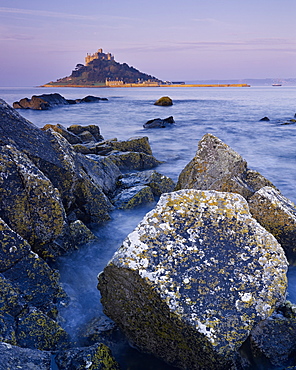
column 81, row 234
column 69, row 136
column 198, row 269
column 30, row 204
column 134, row 144
column 133, row 160
column 218, row 167
column 41, row 102
column 266, row 119
column 275, row 339
column 58, row 167
column 290, row 122
column 79, row 131
column 158, row 183
column 164, row 101
column 98, row 329
column 277, row 214
column 37, row 282
column 133, row 197
column 159, row 123
column 91, row 99
column 37, row 331
column 13, row 357
column 103, row 172
column 96, row 357
column 47, row 101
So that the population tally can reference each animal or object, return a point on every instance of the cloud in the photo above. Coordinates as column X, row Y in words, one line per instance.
column 41, row 13
column 15, row 37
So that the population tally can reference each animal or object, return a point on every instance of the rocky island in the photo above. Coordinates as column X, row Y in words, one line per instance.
column 101, row 70
column 200, row 282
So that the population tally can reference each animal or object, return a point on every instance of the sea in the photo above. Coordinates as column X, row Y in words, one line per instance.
column 233, row 114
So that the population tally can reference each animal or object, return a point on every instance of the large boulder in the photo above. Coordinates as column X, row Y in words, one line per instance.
column 133, row 160
column 218, row 167
column 192, row 280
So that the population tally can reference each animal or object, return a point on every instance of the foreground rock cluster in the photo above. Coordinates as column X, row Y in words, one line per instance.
column 50, row 195
column 199, row 283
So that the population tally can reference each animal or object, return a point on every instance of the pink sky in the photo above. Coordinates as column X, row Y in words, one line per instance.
column 172, row 40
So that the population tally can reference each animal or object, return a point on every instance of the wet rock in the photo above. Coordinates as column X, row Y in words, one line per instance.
column 86, row 132
column 277, row 214
column 41, row 102
column 37, row 331
column 133, row 160
column 13, row 357
column 47, row 101
column 158, row 183
column 91, row 99
column 69, row 136
column 164, row 101
column 133, row 197
column 290, row 122
column 266, row 119
column 96, row 357
column 198, row 269
column 218, row 167
column 159, row 123
column 274, row 340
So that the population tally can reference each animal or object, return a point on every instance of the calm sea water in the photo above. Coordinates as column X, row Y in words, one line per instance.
column 232, row 114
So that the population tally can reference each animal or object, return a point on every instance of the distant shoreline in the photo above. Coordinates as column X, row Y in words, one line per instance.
column 149, row 85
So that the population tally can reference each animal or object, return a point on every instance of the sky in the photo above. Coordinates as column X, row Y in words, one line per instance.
column 41, row 41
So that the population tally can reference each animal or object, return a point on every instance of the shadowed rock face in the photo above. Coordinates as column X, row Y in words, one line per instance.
column 198, row 269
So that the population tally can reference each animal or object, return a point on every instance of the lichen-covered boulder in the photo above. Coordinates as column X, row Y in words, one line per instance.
column 278, row 215
column 29, row 203
column 38, row 331
column 13, row 357
column 134, row 196
column 218, row 167
column 164, row 101
column 96, row 357
column 133, row 160
column 192, row 280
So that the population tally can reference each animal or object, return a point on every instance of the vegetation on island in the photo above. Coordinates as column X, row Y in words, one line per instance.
column 103, row 72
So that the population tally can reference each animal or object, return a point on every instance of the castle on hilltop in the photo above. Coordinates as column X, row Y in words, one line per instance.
column 98, row 55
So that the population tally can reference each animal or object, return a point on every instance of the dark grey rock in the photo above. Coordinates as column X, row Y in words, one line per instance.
column 13, row 357
column 159, row 123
